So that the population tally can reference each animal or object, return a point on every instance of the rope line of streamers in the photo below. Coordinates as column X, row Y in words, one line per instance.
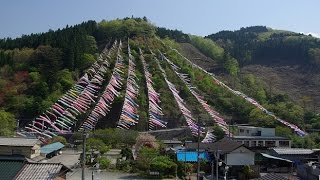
column 129, row 114
column 111, row 91
column 155, row 111
column 214, row 115
column 181, row 104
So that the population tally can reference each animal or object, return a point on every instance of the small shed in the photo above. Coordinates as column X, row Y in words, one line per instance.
column 51, row 150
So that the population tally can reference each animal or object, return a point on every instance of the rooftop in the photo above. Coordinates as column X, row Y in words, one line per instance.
column 172, row 142
column 40, row 171
column 6, row 141
column 272, row 176
column 261, row 137
column 224, row 145
column 9, row 168
column 47, row 149
column 293, row 151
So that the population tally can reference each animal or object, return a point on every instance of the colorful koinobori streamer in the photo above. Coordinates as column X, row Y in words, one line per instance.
column 184, row 110
column 129, row 114
column 295, row 128
column 209, row 138
column 185, row 78
column 155, row 111
column 111, row 91
column 61, row 116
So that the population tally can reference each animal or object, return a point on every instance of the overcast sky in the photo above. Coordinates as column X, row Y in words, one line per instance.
column 200, row 17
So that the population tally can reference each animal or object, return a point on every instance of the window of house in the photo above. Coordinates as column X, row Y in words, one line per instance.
column 33, row 151
column 246, row 143
column 253, row 143
column 260, row 143
column 241, row 130
column 16, row 151
column 270, row 143
column 283, row 143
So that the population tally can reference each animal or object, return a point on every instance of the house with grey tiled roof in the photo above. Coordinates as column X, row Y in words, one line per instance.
column 230, row 151
column 18, row 167
column 30, row 148
column 30, row 171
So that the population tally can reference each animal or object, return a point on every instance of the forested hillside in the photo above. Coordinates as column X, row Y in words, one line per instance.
column 285, row 62
column 134, row 76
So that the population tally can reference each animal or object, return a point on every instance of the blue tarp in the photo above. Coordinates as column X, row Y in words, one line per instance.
column 47, row 149
column 191, row 156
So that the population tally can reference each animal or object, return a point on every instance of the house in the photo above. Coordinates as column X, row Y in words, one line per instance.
column 252, row 136
column 272, row 164
column 54, row 171
column 172, row 143
column 231, row 152
column 309, row 171
column 30, row 148
column 18, row 167
column 295, row 154
column 51, row 150
column 9, row 167
column 272, row 176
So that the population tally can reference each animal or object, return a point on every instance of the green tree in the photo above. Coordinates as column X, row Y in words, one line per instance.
column 208, row 47
column 7, row 123
column 97, row 144
column 164, row 165
column 104, row 162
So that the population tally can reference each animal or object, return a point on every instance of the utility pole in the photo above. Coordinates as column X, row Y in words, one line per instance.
column 212, row 162
column 217, row 163
column 198, row 153
column 84, row 136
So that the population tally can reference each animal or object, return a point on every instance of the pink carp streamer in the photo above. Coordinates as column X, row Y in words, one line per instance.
column 181, row 104
column 61, row 117
column 295, row 128
column 129, row 114
column 111, row 91
column 155, row 111
column 214, row 115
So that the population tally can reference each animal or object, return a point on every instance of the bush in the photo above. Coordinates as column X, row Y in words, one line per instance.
column 124, row 166
column 104, row 162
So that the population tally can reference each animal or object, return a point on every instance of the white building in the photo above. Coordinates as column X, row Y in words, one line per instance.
column 260, row 137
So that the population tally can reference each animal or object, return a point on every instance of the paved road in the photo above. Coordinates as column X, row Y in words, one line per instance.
column 68, row 158
column 103, row 175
